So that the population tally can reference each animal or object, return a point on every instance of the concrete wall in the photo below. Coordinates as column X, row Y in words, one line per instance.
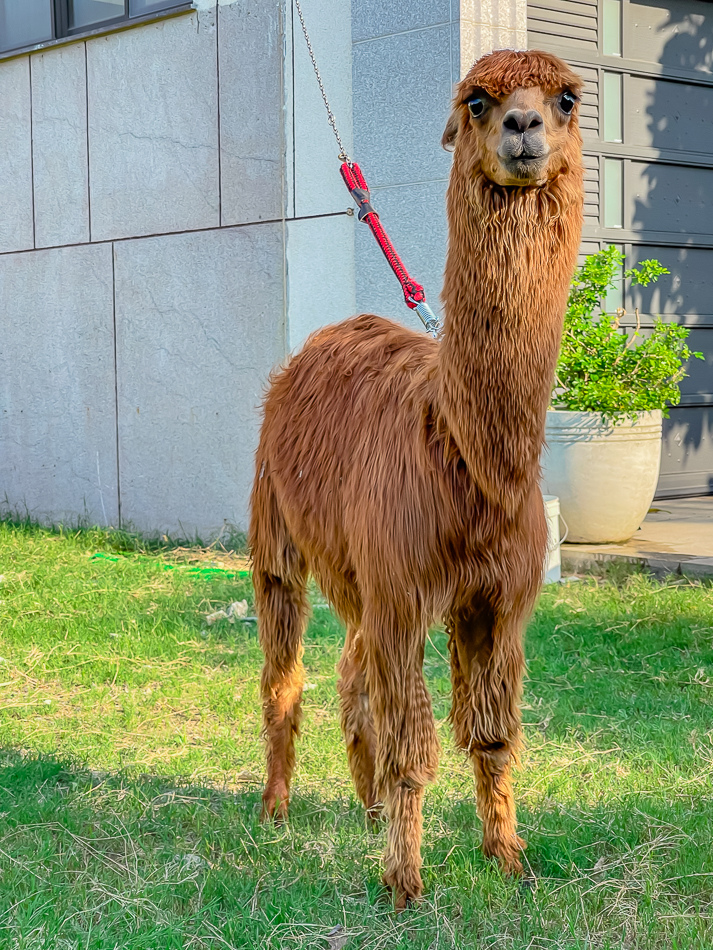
column 174, row 224
column 407, row 55
column 171, row 227
column 320, row 234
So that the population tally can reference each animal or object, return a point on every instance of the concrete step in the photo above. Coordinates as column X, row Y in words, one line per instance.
column 675, row 538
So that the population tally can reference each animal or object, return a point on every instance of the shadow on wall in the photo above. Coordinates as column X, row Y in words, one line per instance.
column 677, row 199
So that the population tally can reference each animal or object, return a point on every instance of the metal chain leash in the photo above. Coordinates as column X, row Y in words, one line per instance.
column 332, row 121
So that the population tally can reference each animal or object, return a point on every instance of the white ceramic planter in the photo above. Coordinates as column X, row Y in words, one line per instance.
column 604, row 475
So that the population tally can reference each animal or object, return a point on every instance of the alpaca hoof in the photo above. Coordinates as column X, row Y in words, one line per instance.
column 274, row 809
column 404, row 894
column 507, row 853
column 404, row 902
column 511, row 866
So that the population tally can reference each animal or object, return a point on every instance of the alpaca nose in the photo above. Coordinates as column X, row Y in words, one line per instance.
column 519, row 121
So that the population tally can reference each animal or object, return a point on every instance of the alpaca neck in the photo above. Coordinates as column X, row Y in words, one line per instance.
column 511, row 256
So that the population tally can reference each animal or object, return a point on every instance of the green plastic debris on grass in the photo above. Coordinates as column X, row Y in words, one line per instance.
column 198, row 571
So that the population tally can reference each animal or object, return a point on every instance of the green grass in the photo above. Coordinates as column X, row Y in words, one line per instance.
column 131, row 768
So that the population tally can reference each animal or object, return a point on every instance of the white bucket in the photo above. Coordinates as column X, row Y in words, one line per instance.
column 553, row 561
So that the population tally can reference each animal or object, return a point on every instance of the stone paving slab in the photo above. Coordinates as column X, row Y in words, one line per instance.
column 675, row 538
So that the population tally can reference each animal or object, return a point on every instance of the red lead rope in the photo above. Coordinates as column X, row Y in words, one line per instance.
column 413, row 291
column 356, row 183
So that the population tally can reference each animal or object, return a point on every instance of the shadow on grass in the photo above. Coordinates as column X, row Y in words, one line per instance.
column 615, row 840
column 103, row 860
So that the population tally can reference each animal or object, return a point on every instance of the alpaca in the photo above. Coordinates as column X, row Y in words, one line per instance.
column 403, row 474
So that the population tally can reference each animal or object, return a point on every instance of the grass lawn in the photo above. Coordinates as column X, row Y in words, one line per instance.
column 131, row 769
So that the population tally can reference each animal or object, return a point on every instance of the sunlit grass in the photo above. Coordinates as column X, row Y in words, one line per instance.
column 131, row 766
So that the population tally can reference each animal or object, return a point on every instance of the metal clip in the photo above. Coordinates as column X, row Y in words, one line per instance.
column 428, row 318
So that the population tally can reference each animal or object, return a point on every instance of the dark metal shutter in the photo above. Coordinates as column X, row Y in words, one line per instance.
column 651, row 191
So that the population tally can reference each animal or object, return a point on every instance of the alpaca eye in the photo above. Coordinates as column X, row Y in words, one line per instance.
column 476, row 107
column 567, row 102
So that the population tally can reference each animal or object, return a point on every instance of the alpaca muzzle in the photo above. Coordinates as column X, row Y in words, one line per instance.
column 524, row 156
column 523, row 144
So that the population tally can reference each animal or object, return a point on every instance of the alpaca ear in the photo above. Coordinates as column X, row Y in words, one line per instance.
column 448, row 139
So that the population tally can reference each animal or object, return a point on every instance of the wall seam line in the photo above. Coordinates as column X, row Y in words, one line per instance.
column 217, row 68
column 416, row 29
column 32, row 153
column 294, row 116
column 282, row 11
column 89, row 179
column 158, row 234
column 450, row 38
column 408, row 184
column 116, row 383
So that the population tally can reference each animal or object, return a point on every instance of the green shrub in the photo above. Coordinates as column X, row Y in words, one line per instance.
column 603, row 366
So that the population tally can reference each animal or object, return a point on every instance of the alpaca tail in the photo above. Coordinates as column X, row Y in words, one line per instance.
column 273, row 550
column 279, row 574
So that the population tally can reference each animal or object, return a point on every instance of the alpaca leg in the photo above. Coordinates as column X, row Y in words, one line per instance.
column 357, row 725
column 406, row 744
column 486, row 669
column 282, row 612
column 496, row 806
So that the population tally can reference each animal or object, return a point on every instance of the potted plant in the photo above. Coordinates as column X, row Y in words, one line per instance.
column 612, row 387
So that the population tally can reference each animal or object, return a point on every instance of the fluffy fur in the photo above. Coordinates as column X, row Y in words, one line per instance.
column 403, row 474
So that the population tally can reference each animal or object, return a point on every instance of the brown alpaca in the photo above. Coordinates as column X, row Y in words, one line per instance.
column 403, row 474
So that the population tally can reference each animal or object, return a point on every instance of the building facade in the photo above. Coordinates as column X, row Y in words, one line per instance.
column 174, row 223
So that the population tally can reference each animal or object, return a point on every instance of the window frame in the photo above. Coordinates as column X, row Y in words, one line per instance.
column 61, row 20
column 62, row 34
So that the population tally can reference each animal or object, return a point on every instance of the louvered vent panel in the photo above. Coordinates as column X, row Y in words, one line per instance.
column 591, row 190
column 589, row 106
column 585, row 249
column 571, row 24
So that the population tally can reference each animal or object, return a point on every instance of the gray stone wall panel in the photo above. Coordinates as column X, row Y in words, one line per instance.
column 320, row 273
column 401, row 104
column 455, row 53
column 317, row 187
column 153, row 128
column 372, row 18
column 59, row 145
column 251, row 133
column 200, row 323
column 16, row 225
column 403, row 85
column 57, row 393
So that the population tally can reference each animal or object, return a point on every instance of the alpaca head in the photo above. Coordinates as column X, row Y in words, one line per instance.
column 514, row 119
